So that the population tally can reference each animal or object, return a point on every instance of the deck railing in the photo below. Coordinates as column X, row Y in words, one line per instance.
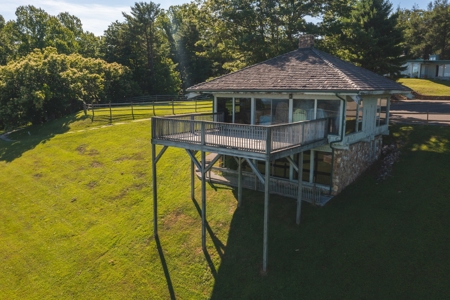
column 208, row 129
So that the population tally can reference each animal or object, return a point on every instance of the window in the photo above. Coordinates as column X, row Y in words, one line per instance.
column 225, row 106
column 354, row 117
column 304, row 109
column 242, row 110
column 271, row 111
column 330, row 109
column 382, row 111
column 316, row 167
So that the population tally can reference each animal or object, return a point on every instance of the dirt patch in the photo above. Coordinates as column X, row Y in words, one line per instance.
column 83, row 150
column 96, row 164
column 91, row 184
column 175, row 218
column 124, row 192
column 135, row 156
column 139, row 174
column 38, row 175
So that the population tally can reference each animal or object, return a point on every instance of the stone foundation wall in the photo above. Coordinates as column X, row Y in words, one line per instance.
column 350, row 164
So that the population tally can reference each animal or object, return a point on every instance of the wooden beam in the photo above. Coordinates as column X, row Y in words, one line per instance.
column 239, row 181
column 212, row 162
column 203, row 200
column 266, row 215
column 255, row 170
column 194, row 159
column 300, row 188
column 160, row 153
column 155, row 194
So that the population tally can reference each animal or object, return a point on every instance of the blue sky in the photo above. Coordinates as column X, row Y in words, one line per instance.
column 97, row 15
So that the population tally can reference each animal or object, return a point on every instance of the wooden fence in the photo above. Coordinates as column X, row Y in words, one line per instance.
column 139, row 110
column 426, row 118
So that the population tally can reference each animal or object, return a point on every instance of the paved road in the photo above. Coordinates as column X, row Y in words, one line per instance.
column 417, row 111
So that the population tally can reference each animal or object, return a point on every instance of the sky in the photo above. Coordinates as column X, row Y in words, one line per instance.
column 97, row 15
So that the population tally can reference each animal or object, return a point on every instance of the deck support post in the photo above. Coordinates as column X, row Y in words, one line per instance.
column 192, row 180
column 239, row 181
column 203, row 157
column 155, row 194
column 266, row 214
column 300, row 188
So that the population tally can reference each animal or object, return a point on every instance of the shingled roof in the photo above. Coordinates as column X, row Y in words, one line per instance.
column 301, row 70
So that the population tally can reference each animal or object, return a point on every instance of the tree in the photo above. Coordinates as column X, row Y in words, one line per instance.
column 141, row 44
column 266, row 28
column 181, row 25
column 368, row 36
column 427, row 31
column 44, row 85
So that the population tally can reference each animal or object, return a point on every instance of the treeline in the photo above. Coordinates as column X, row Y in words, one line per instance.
column 49, row 64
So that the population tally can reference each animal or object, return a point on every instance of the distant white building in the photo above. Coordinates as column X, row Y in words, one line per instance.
column 431, row 68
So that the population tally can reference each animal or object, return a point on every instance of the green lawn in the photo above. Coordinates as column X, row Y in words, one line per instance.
column 76, row 223
column 427, row 87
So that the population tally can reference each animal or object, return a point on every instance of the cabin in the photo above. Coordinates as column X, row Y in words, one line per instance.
column 304, row 124
column 432, row 68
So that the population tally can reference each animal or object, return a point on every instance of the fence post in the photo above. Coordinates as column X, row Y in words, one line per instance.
column 110, row 112
column 154, row 107
column 173, row 109
column 427, row 116
column 92, row 108
column 132, row 111
column 84, row 108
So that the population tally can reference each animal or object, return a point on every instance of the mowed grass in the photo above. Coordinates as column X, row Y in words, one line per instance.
column 427, row 87
column 76, row 219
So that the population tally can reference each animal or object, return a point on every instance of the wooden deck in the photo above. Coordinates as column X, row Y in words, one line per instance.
column 202, row 132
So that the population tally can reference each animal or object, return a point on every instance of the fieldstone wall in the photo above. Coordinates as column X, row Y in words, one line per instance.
column 350, row 164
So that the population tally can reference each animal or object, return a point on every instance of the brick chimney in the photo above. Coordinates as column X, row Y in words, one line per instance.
column 306, row 41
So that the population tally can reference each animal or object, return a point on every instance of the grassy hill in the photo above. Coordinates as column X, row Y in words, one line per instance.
column 76, row 222
column 428, row 87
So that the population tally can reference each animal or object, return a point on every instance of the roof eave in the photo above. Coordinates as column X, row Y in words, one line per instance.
column 359, row 92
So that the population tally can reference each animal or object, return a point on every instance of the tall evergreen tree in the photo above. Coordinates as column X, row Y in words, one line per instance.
column 141, row 44
column 368, row 36
column 427, row 31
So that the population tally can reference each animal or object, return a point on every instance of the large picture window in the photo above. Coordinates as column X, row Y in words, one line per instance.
column 305, row 109
column 271, row 111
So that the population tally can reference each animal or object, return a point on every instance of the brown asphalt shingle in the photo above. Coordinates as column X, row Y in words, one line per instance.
column 305, row 69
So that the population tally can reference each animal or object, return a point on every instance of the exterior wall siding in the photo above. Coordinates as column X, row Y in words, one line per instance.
column 350, row 163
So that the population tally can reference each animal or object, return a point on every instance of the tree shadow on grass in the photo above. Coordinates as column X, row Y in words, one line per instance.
column 375, row 240
column 29, row 137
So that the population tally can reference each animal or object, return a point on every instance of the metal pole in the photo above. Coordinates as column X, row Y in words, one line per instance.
column 266, row 214
column 132, row 111
column 155, row 199
column 300, row 188
column 239, row 182
column 203, row 201
column 192, row 180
